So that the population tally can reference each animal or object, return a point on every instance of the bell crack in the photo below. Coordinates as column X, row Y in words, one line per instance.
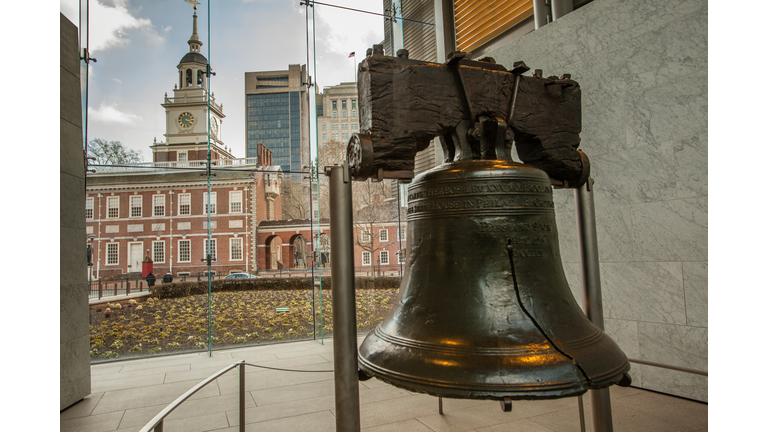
column 510, row 250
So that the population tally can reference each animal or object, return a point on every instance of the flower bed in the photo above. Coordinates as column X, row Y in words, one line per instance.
column 178, row 323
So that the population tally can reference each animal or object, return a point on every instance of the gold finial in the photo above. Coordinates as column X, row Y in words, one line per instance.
column 193, row 2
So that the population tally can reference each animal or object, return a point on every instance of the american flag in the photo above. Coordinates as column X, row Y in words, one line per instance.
column 352, row 54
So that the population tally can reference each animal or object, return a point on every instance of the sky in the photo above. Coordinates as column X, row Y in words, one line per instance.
column 137, row 45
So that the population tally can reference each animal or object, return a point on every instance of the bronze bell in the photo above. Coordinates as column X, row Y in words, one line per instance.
column 484, row 308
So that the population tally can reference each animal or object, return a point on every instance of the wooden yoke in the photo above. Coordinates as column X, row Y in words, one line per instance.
column 403, row 104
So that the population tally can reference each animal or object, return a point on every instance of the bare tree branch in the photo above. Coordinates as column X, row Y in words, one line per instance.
column 112, row 153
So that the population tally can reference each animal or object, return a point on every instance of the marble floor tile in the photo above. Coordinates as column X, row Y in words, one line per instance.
column 411, row 425
column 82, row 408
column 128, row 382
column 121, row 400
column 322, row 421
column 93, row 423
column 303, row 404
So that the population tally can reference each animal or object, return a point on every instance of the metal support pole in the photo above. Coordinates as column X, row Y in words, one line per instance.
column 582, row 423
column 542, row 14
column 593, row 300
column 242, row 396
column 343, row 290
column 561, row 8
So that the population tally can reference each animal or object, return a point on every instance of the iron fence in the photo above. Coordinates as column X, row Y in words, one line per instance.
column 123, row 286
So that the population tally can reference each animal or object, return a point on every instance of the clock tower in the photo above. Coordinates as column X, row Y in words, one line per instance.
column 187, row 116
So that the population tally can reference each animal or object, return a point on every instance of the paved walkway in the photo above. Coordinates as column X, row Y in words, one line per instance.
column 126, row 395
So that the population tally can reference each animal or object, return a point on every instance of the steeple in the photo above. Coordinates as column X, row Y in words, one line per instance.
column 194, row 42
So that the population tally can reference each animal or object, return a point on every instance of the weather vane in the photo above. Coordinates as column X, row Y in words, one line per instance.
column 193, row 2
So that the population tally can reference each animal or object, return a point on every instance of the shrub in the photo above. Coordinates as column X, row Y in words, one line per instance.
column 183, row 289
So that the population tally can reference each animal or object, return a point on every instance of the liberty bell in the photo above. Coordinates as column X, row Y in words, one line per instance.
column 484, row 309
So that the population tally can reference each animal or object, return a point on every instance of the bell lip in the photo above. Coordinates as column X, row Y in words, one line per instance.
column 450, row 390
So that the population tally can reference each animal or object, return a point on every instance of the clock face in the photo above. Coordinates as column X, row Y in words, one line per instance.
column 214, row 127
column 186, row 120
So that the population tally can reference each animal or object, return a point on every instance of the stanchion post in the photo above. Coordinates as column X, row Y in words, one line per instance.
column 343, row 289
column 242, row 395
column 602, row 420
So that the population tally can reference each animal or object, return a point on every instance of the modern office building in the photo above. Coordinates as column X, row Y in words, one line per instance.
column 277, row 114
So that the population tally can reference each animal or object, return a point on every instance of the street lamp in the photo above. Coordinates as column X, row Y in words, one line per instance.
column 89, row 257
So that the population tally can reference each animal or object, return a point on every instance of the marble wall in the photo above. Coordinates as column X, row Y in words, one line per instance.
column 642, row 66
column 74, row 339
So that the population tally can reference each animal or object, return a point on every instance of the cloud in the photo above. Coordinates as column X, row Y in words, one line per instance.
column 110, row 114
column 109, row 22
column 117, row 80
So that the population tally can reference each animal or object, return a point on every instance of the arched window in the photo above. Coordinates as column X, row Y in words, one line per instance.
column 181, row 79
column 199, row 78
column 189, row 78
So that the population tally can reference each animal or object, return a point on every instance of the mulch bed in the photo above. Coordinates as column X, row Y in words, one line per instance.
column 151, row 326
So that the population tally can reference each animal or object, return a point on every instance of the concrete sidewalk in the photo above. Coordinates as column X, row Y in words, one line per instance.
column 127, row 394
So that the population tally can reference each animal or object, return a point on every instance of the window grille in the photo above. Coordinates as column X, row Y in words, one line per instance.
column 384, row 235
column 366, row 258
column 384, row 258
column 184, row 251
column 184, row 204
column 401, row 256
column 158, row 205
column 235, row 249
column 135, row 205
column 112, row 253
column 212, row 249
column 365, row 237
column 182, row 156
column 344, row 104
column 212, row 205
column 235, row 201
column 89, row 208
column 158, row 251
column 113, row 207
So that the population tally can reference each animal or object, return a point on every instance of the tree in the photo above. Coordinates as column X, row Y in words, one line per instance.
column 112, row 153
column 295, row 196
column 371, row 208
column 331, row 153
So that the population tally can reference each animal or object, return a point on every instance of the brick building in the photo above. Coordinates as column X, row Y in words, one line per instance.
column 164, row 215
column 161, row 209
column 379, row 246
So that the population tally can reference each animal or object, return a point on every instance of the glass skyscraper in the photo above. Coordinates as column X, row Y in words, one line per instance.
column 277, row 116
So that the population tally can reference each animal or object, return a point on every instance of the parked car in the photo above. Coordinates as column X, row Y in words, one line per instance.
column 240, row 276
